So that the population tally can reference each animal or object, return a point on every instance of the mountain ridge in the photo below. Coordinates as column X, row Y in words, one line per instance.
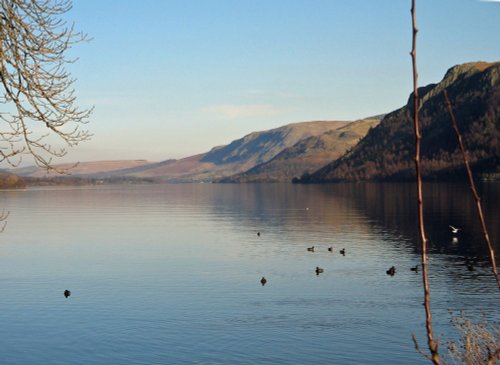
column 238, row 156
column 387, row 151
column 306, row 155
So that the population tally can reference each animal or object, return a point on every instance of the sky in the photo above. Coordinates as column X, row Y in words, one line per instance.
column 174, row 78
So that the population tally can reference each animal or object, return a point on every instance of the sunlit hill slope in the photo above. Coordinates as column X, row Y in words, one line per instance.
column 307, row 155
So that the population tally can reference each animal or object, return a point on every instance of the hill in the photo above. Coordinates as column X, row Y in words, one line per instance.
column 387, row 151
column 307, row 155
column 238, row 156
column 93, row 168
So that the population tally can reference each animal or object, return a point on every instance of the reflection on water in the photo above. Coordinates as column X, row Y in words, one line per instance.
column 171, row 273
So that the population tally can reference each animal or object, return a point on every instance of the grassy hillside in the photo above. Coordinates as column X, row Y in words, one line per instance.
column 240, row 155
column 307, row 155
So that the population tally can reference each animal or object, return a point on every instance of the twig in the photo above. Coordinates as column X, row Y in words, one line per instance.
column 473, row 189
column 492, row 359
column 433, row 345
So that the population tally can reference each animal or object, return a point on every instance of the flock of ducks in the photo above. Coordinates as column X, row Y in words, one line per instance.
column 391, row 271
column 318, row 269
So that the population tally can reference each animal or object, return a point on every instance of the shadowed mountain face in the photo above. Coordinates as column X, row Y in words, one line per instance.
column 307, row 155
column 387, row 151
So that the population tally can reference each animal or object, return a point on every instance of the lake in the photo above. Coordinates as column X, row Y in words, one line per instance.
column 170, row 274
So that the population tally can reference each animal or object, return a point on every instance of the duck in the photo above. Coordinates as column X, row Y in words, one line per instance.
column 258, row 234
column 470, row 267
column 263, row 281
column 342, row 252
column 391, row 271
column 415, row 268
column 311, row 249
column 319, row 270
column 330, row 249
column 67, row 293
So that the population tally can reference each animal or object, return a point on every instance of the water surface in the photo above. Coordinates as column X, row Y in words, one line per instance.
column 170, row 274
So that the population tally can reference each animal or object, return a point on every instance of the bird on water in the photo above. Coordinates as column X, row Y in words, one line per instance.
column 311, row 249
column 415, row 268
column 454, row 230
column 67, row 293
column 319, row 270
column 263, row 281
column 342, row 252
column 330, row 249
column 391, row 271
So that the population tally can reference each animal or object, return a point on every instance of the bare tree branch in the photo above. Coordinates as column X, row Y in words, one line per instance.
column 38, row 92
column 433, row 345
column 473, row 189
column 479, row 341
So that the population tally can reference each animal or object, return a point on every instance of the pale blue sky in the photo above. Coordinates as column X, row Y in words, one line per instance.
column 174, row 78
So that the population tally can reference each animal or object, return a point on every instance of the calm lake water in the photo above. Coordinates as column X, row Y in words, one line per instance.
column 170, row 274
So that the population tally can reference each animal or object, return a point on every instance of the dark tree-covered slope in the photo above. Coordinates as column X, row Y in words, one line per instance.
column 387, row 151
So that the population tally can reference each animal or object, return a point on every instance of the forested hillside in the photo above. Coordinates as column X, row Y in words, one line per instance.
column 387, row 151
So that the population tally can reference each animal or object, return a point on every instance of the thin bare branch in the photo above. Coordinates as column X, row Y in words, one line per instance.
column 473, row 189
column 478, row 342
column 433, row 345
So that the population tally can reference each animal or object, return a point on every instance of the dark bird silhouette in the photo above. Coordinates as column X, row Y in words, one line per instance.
column 319, row 270
column 342, row 252
column 391, row 271
column 330, row 249
column 258, row 234
column 263, row 281
column 414, row 268
column 470, row 267
column 311, row 249
column 67, row 293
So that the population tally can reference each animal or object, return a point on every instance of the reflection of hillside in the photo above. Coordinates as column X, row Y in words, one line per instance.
column 361, row 207
column 297, row 208
column 393, row 206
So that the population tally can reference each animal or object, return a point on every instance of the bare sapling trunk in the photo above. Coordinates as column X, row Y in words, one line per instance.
column 433, row 345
